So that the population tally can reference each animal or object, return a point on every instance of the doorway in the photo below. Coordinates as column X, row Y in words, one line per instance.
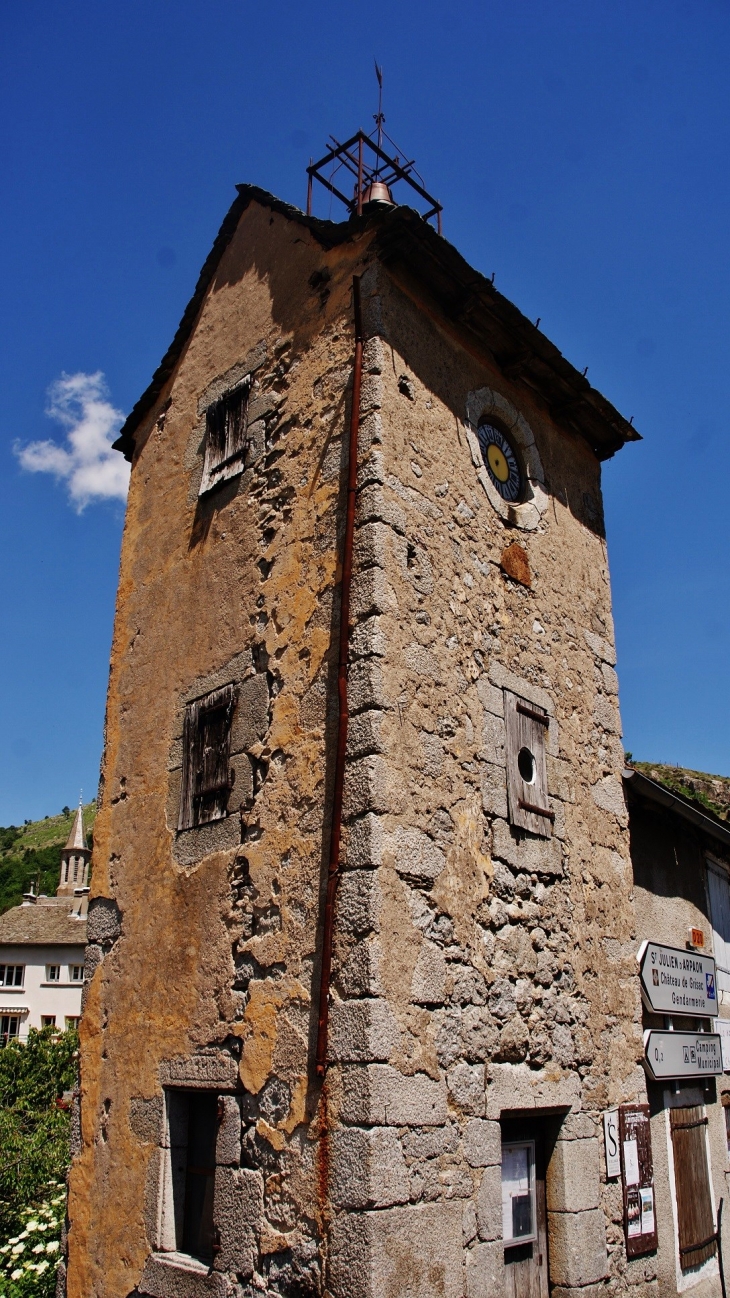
column 524, row 1211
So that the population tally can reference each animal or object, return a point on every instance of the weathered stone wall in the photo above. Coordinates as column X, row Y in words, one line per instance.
column 203, row 943
column 482, row 971
column 669, row 859
column 479, row 971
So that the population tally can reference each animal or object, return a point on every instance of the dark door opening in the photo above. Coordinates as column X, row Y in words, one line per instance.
column 193, row 1119
column 524, row 1213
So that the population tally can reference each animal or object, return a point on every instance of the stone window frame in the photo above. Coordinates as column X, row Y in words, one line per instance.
column 227, row 461
column 261, row 415
column 167, row 1270
column 485, row 403
column 249, row 727
column 193, row 812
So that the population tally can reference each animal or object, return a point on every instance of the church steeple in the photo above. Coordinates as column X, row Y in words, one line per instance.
column 75, row 858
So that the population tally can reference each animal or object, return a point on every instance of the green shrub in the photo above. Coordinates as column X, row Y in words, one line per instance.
column 29, row 1260
column 34, row 1125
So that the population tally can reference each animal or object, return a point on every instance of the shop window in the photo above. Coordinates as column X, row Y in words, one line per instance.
column 11, row 975
column 524, row 1215
column 695, row 1215
column 206, row 776
column 526, row 730
column 519, row 1220
column 225, row 437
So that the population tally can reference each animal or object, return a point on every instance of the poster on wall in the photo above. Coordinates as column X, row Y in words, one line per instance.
column 637, row 1176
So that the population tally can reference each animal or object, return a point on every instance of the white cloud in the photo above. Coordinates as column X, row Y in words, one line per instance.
column 86, row 463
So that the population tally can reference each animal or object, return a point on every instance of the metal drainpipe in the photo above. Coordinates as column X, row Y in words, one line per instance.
column 333, row 868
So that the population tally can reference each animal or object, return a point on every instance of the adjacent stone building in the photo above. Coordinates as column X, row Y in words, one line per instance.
column 484, row 1002
column 680, row 850
column 42, row 946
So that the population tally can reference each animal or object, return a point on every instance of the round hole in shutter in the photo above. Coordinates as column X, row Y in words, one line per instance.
column 526, row 765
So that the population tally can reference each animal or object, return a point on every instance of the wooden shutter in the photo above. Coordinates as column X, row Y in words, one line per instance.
column 206, row 776
column 526, row 727
column 225, row 440
column 718, row 887
column 695, row 1221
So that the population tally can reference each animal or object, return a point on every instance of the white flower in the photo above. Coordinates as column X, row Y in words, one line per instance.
column 3, row 1249
column 16, row 1274
column 52, row 1246
column 18, row 1248
column 37, row 1248
column 32, row 1225
column 42, row 1225
column 42, row 1266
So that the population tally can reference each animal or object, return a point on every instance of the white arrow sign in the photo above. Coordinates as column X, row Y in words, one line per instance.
column 674, row 981
column 682, row 1054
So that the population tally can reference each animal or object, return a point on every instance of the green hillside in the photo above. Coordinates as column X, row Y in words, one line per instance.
column 31, row 853
column 710, row 793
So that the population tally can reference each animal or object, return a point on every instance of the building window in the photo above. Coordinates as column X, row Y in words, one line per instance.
column 526, row 730
column 207, row 778
column 726, row 1111
column 225, row 437
column 11, row 975
column 76, row 973
column 695, row 1214
column 53, row 973
column 48, row 1020
column 72, row 1021
column 9, row 1027
column 718, row 887
column 193, row 1118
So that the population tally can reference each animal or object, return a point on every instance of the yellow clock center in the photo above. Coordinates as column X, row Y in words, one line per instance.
column 498, row 463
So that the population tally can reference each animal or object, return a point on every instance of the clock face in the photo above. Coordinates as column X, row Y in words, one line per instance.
column 501, row 462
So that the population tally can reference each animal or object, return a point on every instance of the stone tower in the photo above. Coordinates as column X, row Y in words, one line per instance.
column 481, row 1007
column 75, row 858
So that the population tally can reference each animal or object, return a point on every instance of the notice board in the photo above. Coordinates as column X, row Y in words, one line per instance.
column 637, row 1177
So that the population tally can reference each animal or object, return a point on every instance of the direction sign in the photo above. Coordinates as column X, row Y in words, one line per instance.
column 682, row 1054
column 676, row 981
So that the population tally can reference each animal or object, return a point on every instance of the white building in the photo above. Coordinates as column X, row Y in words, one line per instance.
column 42, row 949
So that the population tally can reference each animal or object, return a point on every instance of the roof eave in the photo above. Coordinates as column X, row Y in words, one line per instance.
column 404, row 240
column 642, row 787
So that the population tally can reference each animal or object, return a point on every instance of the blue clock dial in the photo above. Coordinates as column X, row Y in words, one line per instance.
column 500, row 462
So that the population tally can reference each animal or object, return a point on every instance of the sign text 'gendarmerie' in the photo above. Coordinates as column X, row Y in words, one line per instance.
column 682, row 1054
column 676, row 981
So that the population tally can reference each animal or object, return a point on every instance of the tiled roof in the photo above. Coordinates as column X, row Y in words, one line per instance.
column 41, row 924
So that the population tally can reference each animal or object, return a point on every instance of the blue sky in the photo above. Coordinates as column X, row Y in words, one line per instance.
column 581, row 153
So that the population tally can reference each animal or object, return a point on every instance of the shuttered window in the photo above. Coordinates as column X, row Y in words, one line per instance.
column 526, row 727
column 225, row 436
column 695, row 1221
column 206, row 775
column 718, row 886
